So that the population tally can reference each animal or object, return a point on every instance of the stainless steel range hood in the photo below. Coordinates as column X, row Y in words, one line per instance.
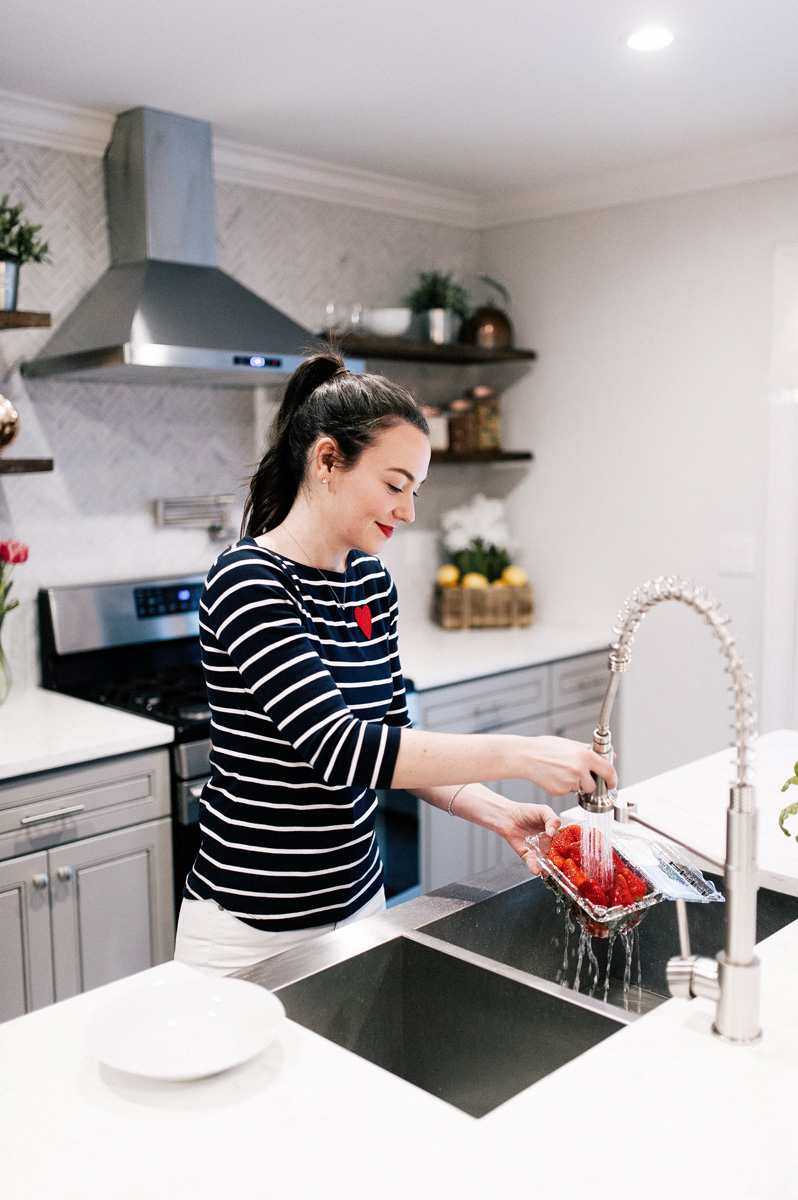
column 164, row 312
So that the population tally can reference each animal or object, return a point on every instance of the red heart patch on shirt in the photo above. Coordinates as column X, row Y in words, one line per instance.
column 363, row 618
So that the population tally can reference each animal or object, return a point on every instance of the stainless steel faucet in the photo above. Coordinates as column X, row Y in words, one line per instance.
column 732, row 980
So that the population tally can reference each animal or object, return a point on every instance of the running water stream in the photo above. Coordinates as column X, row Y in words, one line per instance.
column 584, row 951
column 597, row 848
column 597, row 864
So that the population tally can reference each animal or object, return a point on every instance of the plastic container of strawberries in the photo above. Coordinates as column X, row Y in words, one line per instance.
column 664, row 871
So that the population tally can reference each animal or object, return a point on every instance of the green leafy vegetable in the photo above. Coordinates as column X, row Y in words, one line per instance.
column 792, row 809
column 486, row 560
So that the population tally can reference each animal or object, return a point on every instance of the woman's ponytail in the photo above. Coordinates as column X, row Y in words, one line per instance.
column 277, row 480
column 321, row 398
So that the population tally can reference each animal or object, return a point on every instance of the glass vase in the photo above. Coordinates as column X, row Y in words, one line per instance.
column 5, row 672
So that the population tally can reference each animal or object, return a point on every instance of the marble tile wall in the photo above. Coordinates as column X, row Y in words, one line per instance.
column 116, row 448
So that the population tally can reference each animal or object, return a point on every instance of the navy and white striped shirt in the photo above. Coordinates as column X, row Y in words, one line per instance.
column 307, row 701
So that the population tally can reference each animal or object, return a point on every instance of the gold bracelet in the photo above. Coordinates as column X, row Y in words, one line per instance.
column 453, row 797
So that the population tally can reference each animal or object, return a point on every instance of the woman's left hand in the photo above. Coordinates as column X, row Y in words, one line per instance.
column 525, row 820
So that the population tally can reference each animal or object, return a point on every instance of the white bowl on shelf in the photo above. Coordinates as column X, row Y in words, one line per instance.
column 387, row 322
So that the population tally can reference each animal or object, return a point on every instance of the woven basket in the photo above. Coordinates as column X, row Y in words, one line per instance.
column 483, row 608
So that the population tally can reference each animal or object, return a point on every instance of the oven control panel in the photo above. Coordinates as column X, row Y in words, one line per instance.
column 100, row 615
column 163, row 600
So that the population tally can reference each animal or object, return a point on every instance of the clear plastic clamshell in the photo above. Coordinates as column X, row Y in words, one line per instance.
column 668, row 875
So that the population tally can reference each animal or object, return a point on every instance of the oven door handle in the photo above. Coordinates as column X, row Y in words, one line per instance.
column 187, row 801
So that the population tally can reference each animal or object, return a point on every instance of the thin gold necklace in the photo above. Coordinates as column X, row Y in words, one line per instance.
column 299, row 545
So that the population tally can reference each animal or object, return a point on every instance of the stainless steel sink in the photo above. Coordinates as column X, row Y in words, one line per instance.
column 522, row 928
column 470, row 1034
column 458, row 991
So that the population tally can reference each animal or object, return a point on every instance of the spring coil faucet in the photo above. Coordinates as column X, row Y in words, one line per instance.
column 731, row 980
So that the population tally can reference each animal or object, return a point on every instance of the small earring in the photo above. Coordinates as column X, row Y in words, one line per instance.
column 325, row 481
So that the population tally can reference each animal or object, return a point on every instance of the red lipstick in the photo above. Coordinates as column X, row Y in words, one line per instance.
column 386, row 530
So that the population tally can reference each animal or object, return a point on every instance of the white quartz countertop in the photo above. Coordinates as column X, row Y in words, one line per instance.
column 42, row 730
column 433, row 657
column 660, row 1107
column 660, row 1102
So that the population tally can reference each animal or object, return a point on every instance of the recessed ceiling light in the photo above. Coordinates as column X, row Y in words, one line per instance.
column 650, row 39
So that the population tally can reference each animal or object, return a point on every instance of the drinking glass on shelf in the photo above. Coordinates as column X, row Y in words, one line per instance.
column 336, row 317
column 356, row 319
column 343, row 317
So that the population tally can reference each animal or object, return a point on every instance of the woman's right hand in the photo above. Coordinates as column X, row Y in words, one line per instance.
column 559, row 766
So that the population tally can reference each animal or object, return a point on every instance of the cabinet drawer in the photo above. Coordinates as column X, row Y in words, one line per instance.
column 576, row 680
column 54, row 807
column 487, row 703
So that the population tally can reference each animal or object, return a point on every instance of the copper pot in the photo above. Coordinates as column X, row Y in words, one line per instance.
column 489, row 328
column 9, row 422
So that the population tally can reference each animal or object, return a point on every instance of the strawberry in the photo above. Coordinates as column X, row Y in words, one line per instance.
column 574, row 833
column 623, row 870
column 630, row 876
column 620, row 893
column 636, row 886
column 560, row 844
column 555, row 859
column 575, row 853
column 574, row 874
column 593, row 892
column 565, row 838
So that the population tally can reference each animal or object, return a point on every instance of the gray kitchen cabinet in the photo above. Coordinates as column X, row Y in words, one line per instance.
column 563, row 697
column 80, row 911
column 110, row 897
column 26, row 960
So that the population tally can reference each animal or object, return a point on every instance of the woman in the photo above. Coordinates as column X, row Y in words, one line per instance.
column 298, row 626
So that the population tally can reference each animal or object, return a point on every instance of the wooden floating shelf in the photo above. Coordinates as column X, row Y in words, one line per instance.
column 361, row 346
column 482, row 456
column 14, row 319
column 24, row 466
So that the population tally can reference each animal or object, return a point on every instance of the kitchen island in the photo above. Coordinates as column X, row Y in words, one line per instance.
column 660, row 1102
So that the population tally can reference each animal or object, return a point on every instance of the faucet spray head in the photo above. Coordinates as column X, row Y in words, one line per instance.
column 600, row 800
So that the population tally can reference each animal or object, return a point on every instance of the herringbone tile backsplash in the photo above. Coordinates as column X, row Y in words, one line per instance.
column 116, row 448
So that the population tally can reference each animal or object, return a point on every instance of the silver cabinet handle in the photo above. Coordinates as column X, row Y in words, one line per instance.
column 41, row 881
column 65, row 874
column 196, row 791
column 51, row 816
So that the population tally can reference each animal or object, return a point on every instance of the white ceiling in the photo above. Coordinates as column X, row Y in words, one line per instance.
column 482, row 96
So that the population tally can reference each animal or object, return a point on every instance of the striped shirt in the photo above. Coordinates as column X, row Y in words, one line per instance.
column 307, row 702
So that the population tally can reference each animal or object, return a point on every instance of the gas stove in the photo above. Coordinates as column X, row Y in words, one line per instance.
column 175, row 696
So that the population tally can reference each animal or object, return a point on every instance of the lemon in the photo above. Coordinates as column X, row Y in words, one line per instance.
column 498, row 583
column 448, row 575
column 514, row 576
column 474, row 580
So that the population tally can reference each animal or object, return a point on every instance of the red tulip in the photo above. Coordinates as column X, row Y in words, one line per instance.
column 13, row 552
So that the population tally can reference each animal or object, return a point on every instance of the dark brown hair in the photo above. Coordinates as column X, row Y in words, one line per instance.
column 320, row 401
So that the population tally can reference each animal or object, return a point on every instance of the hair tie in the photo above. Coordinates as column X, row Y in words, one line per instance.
column 341, row 371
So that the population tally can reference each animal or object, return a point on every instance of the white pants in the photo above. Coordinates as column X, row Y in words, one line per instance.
column 213, row 941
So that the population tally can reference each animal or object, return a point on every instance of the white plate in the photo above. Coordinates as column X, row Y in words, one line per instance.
column 184, row 1028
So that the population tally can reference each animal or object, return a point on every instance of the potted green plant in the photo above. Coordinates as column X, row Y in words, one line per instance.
column 440, row 305
column 19, row 243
